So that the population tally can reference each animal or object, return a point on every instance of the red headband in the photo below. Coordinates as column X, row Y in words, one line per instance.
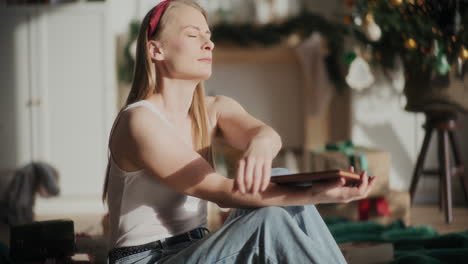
column 156, row 16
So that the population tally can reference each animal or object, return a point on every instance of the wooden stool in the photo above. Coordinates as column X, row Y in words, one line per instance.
column 446, row 126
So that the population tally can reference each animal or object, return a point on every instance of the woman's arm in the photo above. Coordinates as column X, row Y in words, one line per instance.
column 239, row 128
column 259, row 142
column 154, row 146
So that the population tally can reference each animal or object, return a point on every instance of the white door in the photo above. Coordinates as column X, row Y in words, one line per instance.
column 63, row 57
column 15, row 123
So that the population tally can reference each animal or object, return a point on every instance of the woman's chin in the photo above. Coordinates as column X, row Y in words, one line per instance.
column 201, row 76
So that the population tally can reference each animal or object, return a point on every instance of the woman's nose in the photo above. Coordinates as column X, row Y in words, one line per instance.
column 209, row 45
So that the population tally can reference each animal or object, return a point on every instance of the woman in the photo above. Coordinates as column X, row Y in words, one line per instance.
column 160, row 172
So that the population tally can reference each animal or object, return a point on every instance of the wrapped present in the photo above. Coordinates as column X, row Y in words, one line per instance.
column 367, row 252
column 343, row 155
column 384, row 209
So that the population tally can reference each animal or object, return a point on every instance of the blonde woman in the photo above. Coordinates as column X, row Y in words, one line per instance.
column 160, row 172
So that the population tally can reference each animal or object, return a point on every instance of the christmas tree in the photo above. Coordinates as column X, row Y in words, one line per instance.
column 429, row 35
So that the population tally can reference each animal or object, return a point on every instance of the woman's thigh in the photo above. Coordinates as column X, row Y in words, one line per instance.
column 264, row 235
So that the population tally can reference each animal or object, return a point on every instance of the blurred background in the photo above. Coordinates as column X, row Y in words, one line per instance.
column 356, row 77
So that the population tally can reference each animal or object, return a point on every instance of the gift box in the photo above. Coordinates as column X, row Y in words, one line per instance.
column 385, row 209
column 341, row 156
column 367, row 252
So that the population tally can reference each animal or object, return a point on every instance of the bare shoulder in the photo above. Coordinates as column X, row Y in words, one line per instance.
column 134, row 127
column 137, row 120
column 221, row 103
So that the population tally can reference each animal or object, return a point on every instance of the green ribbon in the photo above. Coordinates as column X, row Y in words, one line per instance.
column 347, row 147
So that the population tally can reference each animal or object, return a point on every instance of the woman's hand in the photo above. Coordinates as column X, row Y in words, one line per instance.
column 335, row 192
column 254, row 168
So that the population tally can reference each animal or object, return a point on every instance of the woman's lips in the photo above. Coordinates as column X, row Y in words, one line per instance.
column 207, row 60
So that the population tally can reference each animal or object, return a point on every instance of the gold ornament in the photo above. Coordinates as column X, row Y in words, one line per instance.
column 463, row 53
column 397, row 2
column 369, row 18
column 411, row 44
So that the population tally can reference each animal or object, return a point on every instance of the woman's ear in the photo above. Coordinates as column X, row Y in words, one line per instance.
column 155, row 50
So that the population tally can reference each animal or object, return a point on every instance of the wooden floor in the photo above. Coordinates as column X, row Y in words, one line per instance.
column 432, row 216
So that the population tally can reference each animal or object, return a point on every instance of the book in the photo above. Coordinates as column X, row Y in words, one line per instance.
column 308, row 178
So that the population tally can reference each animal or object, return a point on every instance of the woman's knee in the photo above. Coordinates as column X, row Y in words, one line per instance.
column 271, row 212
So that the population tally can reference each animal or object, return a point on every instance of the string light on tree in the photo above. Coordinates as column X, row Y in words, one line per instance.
column 397, row 2
column 411, row 44
column 463, row 53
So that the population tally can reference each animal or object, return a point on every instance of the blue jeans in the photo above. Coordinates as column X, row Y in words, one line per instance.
column 274, row 234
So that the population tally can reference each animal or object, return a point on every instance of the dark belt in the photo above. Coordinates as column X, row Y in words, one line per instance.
column 195, row 234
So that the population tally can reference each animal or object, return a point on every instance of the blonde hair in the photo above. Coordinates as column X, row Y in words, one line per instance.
column 145, row 83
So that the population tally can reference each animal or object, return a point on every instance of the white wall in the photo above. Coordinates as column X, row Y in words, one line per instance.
column 270, row 92
column 380, row 121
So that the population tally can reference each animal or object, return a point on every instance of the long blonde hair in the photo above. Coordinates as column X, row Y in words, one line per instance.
column 144, row 84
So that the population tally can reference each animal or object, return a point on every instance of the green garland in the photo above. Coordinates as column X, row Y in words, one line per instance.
column 246, row 35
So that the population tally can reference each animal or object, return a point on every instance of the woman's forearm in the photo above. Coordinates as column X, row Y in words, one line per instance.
column 266, row 135
column 274, row 195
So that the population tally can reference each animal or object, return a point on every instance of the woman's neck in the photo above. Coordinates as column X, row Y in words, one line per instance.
column 174, row 97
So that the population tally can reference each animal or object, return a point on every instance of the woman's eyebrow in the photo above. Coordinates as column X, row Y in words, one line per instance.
column 197, row 28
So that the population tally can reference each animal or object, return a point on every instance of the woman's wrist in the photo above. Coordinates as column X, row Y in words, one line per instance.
column 266, row 136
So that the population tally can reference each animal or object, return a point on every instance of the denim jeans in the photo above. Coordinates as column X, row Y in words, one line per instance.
column 274, row 234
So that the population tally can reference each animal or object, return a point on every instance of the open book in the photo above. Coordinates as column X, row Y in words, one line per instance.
column 308, row 178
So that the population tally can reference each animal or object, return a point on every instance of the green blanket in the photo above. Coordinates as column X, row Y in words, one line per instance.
column 420, row 244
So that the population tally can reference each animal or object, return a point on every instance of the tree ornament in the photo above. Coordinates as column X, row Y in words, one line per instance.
column 443, row 67
column 460, row 66
column 372, row 30
column 359, row 75
column 463, row 54
column 369, row 18
column 397, row 2
column 435, row 48
column 411, row 44
column 398, row 79
column 349, row 57
column 357, row 20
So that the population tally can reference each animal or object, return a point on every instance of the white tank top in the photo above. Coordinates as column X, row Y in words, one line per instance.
column 142, row 209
